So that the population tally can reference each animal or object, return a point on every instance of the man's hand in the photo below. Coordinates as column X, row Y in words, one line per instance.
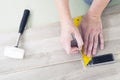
column 68, row 28
column 91, row 30
column 66, row 37
column 91, row 27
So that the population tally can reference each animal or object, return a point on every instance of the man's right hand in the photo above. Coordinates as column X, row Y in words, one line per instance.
column 66, row 37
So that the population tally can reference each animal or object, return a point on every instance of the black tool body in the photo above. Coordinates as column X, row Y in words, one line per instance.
column 102, row 59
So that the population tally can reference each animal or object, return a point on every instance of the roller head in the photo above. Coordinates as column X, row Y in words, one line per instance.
column 13, row 52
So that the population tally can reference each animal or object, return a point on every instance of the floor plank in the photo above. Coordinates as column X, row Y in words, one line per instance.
column 45, row 56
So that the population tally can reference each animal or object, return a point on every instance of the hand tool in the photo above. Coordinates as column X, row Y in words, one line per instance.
column 15, row 51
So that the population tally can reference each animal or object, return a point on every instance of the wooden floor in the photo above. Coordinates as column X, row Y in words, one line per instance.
column 45, row 58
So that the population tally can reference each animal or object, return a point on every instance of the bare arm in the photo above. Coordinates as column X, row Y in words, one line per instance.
column 97, row 7
column 67, row 27
column 64, row 11
column 92, row 27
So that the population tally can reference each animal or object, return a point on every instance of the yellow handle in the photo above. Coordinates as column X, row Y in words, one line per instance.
column 85, row 58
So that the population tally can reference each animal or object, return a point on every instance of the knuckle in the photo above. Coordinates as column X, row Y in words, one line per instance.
column 94, row 48
column 96, row 41
column 90, row 48
column 91, row 42
column 82, row 43
column 86, row 39
column 89, row 51
column 85, row 45
column 102, row 42
column 101, row 37
column 86, row 42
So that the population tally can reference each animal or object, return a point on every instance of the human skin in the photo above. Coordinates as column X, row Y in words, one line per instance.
column 68, row 28
column 90, row 27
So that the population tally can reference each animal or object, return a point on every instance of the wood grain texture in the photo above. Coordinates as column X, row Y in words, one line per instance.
column 45, row 58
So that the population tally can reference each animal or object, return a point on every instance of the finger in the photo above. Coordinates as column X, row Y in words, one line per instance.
column 74, row 50
column 80, row 30
column 101, row 41
column 90, row 45
column 67, row 47
column 95, row 45
column 86, row 43
column 79, row 40
column 67, row 44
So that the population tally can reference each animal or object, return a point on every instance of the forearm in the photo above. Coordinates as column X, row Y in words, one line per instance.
column 64, row 11
column 98, row 7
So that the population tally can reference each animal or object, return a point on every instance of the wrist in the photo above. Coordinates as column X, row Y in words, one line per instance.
column 66, row 23
column 93, row 16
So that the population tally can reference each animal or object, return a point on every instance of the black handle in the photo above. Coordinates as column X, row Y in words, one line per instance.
column 74, row 43
column 24, row 21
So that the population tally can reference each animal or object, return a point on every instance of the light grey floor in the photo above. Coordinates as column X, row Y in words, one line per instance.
column 45, row 58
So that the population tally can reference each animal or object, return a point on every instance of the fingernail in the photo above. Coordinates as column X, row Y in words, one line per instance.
column 89, row 55
column 80, row 48
column 93, row 53
column 75, row 52
column 102, row 48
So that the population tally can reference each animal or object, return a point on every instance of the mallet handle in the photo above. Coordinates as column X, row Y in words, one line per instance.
column 24, row 21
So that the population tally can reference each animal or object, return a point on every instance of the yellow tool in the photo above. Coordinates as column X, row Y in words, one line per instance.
column 85, row 58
